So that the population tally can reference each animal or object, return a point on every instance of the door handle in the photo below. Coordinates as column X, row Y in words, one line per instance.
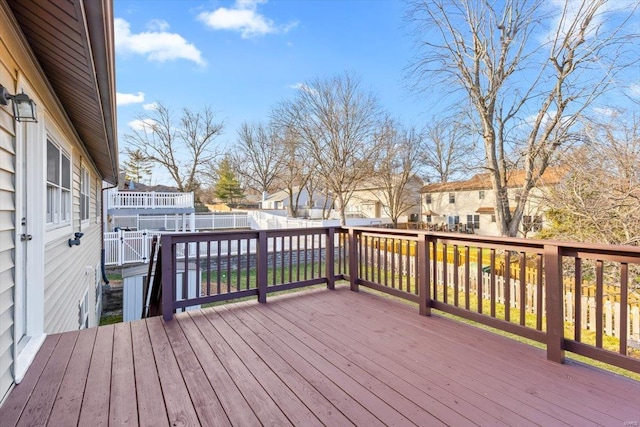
column 25, row 237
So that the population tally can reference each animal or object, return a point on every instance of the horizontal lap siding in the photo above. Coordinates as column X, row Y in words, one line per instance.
column 71, row 271
column 7, row 250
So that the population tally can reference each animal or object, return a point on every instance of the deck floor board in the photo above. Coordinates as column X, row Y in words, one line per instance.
column 66, row 409
column 452, row 365
column 509, row 354
column 314, row 357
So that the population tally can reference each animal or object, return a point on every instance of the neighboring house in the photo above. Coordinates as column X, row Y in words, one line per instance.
column 280, row 200
column 60, row 54
column 471, row 203
column 370, row 201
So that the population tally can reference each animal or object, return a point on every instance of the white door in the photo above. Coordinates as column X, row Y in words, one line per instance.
column 22, row 239
column 29, row 247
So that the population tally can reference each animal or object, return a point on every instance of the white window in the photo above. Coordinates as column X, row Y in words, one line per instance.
column 58, row 185
column 531, row 223
column 85, row 191
column 427, row 198
column 473, row 221
column 481, row 194
column 452, row 197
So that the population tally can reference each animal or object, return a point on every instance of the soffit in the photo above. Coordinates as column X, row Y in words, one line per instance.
column 73, row 43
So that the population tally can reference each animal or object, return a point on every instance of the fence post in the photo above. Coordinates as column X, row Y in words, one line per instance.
column 353, row 261
column 554, row 307
column 145, row 246
column 424, row 275
column 262, row 263
column 330, row 258
column 120, row 247
column 168, row 276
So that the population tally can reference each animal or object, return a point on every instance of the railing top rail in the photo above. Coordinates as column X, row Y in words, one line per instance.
column 181, row 237
column 567, row 248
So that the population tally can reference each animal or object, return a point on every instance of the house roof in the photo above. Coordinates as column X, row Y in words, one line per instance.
column 482, row 181
column 280, row 195
column 73, row 42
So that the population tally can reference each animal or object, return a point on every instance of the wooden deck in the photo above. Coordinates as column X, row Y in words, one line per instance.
column 316, row 357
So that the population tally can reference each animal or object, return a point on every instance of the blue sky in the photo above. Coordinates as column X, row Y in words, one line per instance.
column 243, row 57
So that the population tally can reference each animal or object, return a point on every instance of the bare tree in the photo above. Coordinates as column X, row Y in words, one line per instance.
column 396, row 180
column 527, row 84
column 448, row 150
column 335, row 119
column 259, row 156
column 184, row 148
column 598, row 201
column 296, row 169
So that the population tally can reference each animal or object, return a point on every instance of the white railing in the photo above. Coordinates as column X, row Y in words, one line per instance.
column 148, row 200
column 179, row 222
column 268, row 221
column 133, row 246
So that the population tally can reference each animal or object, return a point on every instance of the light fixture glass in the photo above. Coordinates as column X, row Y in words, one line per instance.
column 24, row 108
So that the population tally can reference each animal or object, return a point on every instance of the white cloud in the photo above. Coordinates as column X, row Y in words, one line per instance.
column 606, row 111
column 129, row 98
column 303, row 87
column 565, row 12
column 150, row 107
column 156, row 45
column 634, row 90
column 243, row 18
column 145, row 125
column 158, row 25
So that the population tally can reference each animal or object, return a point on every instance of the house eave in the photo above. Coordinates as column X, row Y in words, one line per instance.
column 73, row 42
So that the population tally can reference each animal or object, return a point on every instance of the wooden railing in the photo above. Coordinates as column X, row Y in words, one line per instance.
column 230, row 265
column 540, row 297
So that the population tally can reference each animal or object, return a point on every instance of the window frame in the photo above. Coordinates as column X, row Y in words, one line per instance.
column 473, row 221
column 428, row 198
column 481, row 194
column 59, row 200
column 452, row 198
column 85, row 194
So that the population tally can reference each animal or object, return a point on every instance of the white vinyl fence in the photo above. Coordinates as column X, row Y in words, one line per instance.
column 127, row 247
column 180, row 222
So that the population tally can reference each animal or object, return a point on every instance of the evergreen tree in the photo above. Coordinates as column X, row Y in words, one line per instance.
column 228, row 187
column 137, row 166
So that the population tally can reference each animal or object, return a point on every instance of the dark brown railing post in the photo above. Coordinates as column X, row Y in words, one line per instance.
column 424, row 275
column 168, row 254
column 261, row 266
column 353, row 260
column 330, row 260
column 554, row 304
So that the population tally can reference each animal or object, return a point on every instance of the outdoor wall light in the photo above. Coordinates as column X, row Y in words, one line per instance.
column 76, row 241
column 24, row 108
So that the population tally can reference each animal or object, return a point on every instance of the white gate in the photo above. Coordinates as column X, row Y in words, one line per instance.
column 127, row 247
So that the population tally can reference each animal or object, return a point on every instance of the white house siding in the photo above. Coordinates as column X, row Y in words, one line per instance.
column 71, row 271
column 7, row 245
column 62, row 274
